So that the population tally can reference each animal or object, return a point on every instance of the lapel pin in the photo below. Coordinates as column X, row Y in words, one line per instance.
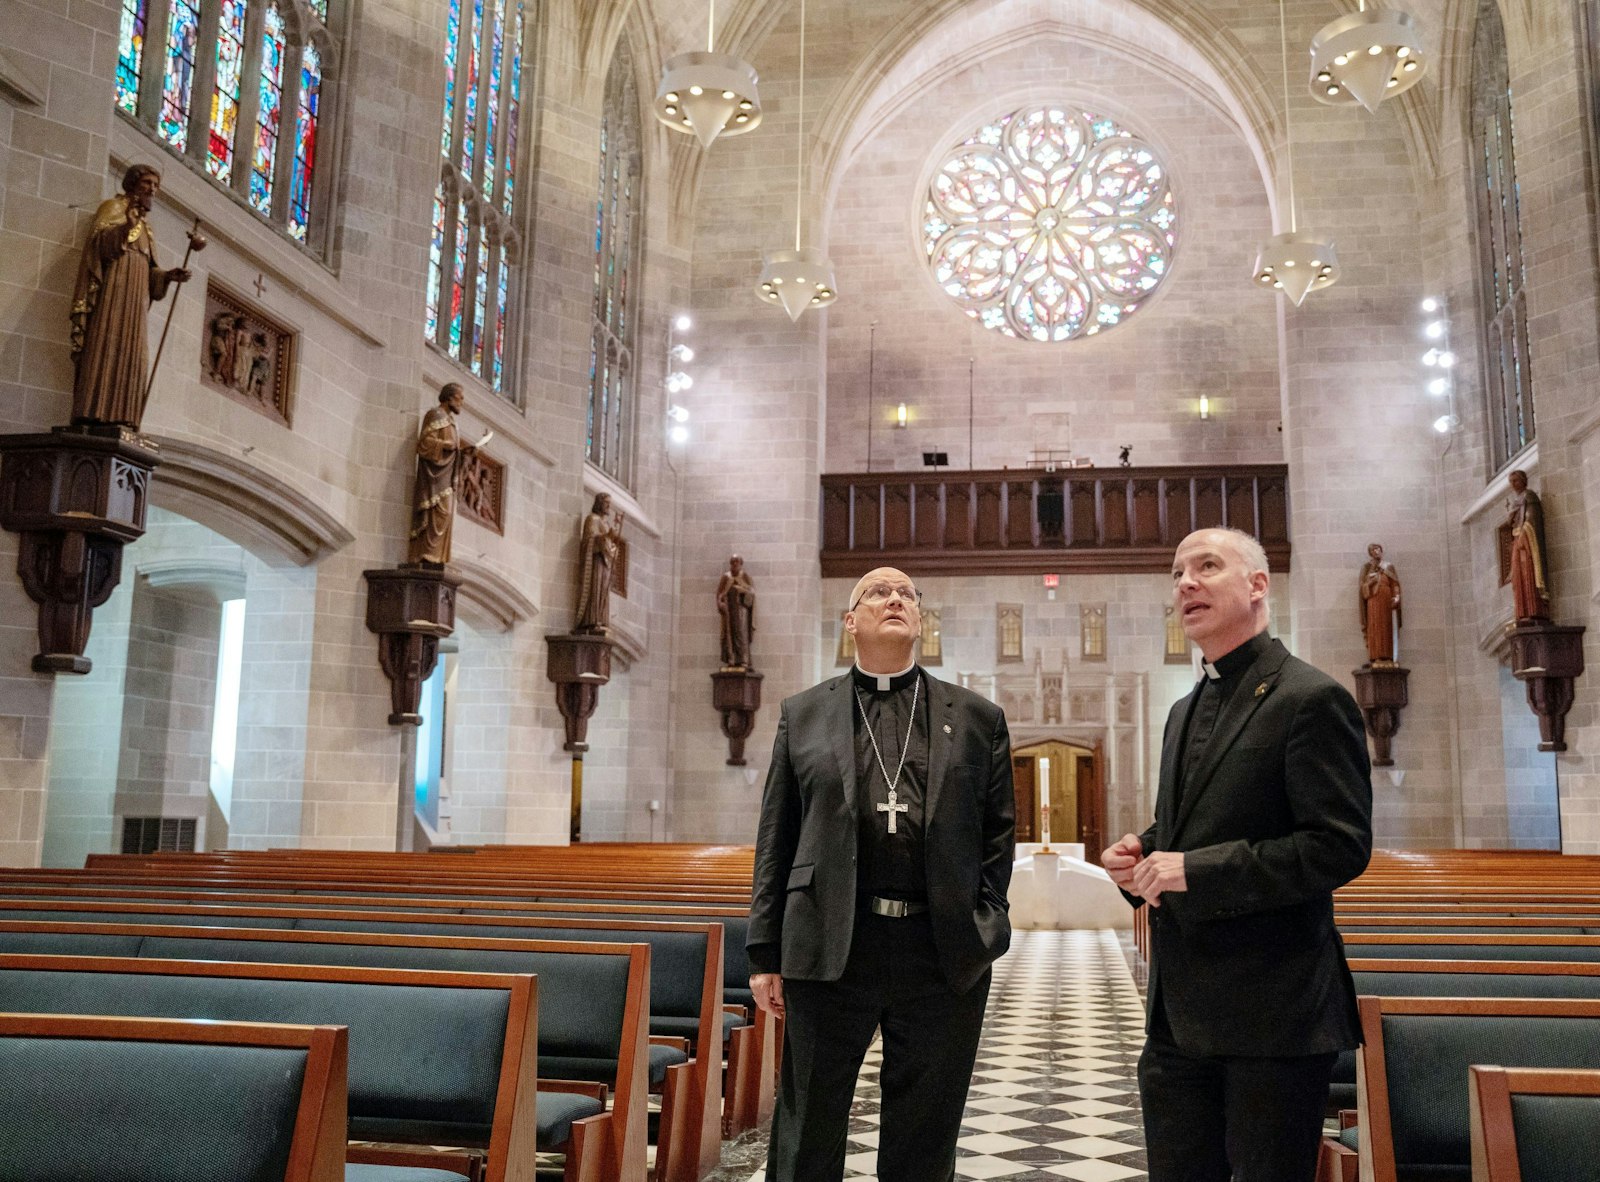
column 947, row 728
column 1261, row 689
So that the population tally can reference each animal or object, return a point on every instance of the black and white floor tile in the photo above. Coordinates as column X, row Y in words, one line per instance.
column 1054, row 1094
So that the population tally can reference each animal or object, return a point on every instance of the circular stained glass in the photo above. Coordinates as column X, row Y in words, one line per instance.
column 1050, row 224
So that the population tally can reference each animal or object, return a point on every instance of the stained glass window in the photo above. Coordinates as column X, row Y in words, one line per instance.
column 1050, row 223
column 183, row 32
column 1177, row 641
column 130, row 54
column 305, row 142
column 1092, row 631
column 1508, row 371
column 474, row 243
column 1008, row 631
column 225, row 98
column 226, row 80
column 269, row 110
column 612, row 379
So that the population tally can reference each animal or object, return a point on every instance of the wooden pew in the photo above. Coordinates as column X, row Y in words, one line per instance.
column 592, row 1025
column 1412, row 1071
column 1534, row 1125
column 435, row 1058
column 685, row 975
column 751, row 1043
column 184, row 1101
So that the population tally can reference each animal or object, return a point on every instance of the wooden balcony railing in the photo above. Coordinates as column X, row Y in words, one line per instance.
column 1083, row 520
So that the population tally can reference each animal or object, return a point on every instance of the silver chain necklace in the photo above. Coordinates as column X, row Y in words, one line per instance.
column 894, row 806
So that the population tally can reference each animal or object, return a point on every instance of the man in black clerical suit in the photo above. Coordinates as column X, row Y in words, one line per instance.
column 1265, row 806
column 882, row 860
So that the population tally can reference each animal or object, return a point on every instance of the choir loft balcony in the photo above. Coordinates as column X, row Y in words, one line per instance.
column 1023, row 521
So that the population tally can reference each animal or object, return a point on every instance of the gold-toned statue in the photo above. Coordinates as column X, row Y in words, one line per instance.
column 1530, row 587
column 118, row 280
column 440, row 456
column 597, row 558
column 736, row 604
column 1379, row 589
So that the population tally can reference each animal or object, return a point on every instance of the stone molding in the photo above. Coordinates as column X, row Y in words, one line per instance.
column 488, row 597
column 244, row 502
column 17, row 85
column 595, row 481
column 1499, row 487
column 223, row 580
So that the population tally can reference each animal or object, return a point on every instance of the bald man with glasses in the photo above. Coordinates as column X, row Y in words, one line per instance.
column 882, row 860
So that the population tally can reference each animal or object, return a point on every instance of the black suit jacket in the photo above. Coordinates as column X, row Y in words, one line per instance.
column 804, row 895
column 1246, row 961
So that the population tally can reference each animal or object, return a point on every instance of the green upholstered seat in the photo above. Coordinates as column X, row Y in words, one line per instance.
column 557, row 1111
column 367, row 1173
column 134, row 1111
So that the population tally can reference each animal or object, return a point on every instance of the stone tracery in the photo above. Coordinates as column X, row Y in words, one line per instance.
column 1050, row 223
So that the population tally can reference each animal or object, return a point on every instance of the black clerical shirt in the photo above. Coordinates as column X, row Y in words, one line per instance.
column 890, row 865
column 1214, row 694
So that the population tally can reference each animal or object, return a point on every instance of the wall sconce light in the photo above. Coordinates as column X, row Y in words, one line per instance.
column 678, row 420
column 900, row 416
column 1205, row 408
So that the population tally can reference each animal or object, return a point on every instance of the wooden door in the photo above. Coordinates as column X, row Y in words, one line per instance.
column 1091, row 808
column 1027, row 794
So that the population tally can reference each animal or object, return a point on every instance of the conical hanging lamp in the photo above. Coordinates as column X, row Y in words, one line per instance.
column 1365, row 57
column 1296, row 262
column 709, row 94
column 803, row 277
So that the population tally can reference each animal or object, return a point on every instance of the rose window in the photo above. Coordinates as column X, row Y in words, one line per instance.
column 1050, row 224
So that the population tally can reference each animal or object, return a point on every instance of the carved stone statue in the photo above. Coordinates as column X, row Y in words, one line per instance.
column 597, row 557
column 1379, row 589
column 440, row 453
column 736, row 604
column 1530, row 588
column 118, row 280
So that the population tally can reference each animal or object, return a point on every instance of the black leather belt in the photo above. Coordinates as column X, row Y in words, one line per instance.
column 894, row 908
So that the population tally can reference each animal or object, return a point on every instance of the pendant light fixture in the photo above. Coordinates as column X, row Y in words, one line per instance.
column 1296, row 262
column 709, row 94
column 1365, row 57
column 803, row 277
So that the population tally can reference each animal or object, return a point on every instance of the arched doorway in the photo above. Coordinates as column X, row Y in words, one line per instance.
column 1068, row 775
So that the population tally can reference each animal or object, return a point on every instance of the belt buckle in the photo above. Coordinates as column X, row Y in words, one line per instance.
column 892, row 908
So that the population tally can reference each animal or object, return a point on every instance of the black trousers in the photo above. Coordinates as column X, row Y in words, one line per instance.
column 930, row 1042
column 1214, row 1118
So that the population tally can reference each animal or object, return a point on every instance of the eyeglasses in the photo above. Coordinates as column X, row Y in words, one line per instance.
column 881, row 593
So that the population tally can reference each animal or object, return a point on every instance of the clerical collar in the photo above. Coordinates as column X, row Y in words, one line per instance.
column 884, row 681
column 1231, row 664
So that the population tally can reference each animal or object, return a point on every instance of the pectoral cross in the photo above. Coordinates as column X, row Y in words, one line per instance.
column 894, row 806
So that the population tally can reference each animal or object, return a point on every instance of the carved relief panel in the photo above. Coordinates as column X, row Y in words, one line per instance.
column 247, row 355
column 480, row 495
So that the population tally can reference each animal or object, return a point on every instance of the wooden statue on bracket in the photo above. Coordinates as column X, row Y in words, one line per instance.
column 1530, row 588
column 440, row 456
column 597, row 558
column 1379, row 594
column 118, row 280
column 736, row 605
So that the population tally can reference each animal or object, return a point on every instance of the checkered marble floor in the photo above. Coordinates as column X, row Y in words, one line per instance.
column 1054, row 1093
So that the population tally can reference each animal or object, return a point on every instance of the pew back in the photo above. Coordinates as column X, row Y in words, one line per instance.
column 149, row 1100
column 1534, row 1125
column 1412, row 1071
column 434, row 1057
